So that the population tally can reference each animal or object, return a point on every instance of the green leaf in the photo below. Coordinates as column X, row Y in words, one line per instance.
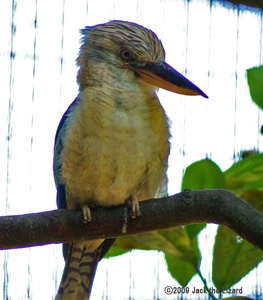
column 170, row 241
column 245, row 175
column 203, row 174
column 193, row 229
column 233, row 258
column 183, row 246
column 255, row 82
column 254, row 198
column 147, row 241
column 180, row 269
column 175, row 243
column 115, row 251
column 185, row 265
column 239, row 256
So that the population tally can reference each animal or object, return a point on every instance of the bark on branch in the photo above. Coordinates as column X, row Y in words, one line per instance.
column 187, row 207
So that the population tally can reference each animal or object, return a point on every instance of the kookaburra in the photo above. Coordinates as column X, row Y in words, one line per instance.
column 112, row 143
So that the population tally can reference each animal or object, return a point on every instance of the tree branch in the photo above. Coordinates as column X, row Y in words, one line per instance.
column 187, row 207
column 248, row 3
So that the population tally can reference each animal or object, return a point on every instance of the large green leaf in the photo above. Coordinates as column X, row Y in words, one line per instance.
column 255, row 82
column 185, row 265
column 148, row 241
column 233, row 258
column 180, row 269
column 239, row 256
column 245, row 175
column 184, row 246
column 182, row 253
column 203, row 174
column 173, row 241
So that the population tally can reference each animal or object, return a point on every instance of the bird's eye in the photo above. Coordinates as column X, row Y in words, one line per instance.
column 126, row 54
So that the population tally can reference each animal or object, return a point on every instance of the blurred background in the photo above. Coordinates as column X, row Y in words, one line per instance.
column 210, row 42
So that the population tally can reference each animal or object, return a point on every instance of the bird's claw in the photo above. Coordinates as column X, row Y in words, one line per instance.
column 134, row 204
column 86, row 213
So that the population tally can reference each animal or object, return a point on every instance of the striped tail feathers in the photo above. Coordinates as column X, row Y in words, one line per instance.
column 79, row 271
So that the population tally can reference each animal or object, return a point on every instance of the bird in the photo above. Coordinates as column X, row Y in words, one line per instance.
column 112, row 143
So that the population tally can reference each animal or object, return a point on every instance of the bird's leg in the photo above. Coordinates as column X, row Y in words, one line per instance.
column 86, row 213
column 134, row 203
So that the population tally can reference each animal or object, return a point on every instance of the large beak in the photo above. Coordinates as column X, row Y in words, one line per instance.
column 164, row 76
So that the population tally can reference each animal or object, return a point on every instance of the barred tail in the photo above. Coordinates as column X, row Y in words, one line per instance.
column 81, row 264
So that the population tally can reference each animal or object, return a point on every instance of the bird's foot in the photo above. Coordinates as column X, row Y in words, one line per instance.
column 86, row 213
column 134, row 204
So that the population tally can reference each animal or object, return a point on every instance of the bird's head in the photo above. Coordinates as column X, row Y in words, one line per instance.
column 133, row 48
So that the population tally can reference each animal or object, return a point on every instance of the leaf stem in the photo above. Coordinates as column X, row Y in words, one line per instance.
column 211, row 295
